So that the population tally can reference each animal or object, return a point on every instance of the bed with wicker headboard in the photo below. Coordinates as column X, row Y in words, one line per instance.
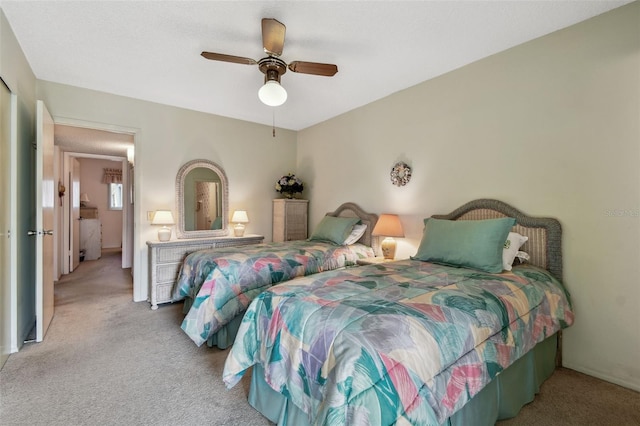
column 544, row 244
column 218, row 284
column 410, row 341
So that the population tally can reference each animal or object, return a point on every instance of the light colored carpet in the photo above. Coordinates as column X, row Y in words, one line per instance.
column 570, row 398
column 109, row 361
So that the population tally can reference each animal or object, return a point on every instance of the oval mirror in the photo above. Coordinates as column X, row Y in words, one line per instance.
column 202, row 197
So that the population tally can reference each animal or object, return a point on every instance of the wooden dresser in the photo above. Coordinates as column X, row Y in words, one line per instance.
column 165, row 260
column 289, row 219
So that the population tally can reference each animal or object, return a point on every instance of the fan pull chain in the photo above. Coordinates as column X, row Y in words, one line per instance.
column 274, row 123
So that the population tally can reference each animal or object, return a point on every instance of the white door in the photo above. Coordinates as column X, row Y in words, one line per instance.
column 5, row 224
column 45, row 199
column 74, row 199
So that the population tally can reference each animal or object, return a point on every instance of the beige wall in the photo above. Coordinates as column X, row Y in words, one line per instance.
column 551, row 127
column 166, row 138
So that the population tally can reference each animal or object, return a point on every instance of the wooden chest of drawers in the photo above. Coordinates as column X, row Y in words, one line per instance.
column 289, row 219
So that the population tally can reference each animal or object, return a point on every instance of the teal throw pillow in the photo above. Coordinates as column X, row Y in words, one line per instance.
column 334, row 229
column 475, row 244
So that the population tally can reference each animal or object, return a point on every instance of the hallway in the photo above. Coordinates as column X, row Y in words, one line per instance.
column 94, row 279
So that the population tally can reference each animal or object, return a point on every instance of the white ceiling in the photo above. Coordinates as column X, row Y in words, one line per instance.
column 92, row 141
column 150, row 50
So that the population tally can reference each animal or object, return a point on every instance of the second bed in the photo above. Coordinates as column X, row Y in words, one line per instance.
column 217, row 285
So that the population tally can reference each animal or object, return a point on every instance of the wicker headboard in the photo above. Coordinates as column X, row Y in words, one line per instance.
column 369, row 219
column 545, row 234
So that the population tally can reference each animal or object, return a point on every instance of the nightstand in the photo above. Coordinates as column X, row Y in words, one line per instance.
column 373, row 260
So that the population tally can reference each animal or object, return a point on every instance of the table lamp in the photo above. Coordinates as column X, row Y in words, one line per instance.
column 163, row 217
column 239, row 218
column 84, row 199
column 388, row 226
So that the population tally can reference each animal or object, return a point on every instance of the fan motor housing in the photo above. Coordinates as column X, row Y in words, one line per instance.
column 272, row 68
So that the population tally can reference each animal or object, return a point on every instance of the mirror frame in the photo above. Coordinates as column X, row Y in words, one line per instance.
column 180, row 178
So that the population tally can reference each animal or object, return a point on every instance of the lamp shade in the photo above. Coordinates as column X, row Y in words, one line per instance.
column 240, row 216
column 388, row 225
column 272, row 93
column 84, row 198
column 163, row 217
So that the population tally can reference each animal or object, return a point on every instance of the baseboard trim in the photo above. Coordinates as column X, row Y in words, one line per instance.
column 603, row 376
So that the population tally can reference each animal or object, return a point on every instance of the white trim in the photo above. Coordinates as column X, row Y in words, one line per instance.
column 14, row 224
column 113, row 128
column 600, row 375
column 57, row 216
column 96, row 156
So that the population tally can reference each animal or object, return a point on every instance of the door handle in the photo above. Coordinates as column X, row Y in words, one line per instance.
column 44, row 232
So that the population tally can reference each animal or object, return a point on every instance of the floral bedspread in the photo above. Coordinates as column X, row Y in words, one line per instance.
column 405, row 342
column 222, row 282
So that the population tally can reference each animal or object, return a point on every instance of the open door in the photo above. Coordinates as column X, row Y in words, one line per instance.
column 45, row 199
column 74, row 199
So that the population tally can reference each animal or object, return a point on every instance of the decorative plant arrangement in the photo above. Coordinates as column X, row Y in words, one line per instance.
column 289, row 185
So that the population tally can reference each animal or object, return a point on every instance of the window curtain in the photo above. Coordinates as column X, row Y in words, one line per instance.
column 112, row 176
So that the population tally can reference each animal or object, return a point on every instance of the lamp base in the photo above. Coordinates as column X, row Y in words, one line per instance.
column 164, row 234
column 388, row 247
column 238, row 230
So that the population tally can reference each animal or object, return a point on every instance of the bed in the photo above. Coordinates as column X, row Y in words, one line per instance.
column 218, row 284
column 424, row 342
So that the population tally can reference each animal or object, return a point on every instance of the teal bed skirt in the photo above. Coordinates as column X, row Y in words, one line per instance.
column 501, row 399
column 224, row 337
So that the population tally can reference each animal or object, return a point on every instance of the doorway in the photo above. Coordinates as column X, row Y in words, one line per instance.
column 84, row 143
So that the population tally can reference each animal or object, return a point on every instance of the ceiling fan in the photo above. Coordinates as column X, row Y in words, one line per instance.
column 272, row 93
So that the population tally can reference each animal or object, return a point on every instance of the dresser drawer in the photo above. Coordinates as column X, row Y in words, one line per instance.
column 167, row 272
column 163, row 292
column 177, row 254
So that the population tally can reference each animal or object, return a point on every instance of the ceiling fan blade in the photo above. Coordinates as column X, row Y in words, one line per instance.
column 228, row 58
column 315, row 68
column 273, row 36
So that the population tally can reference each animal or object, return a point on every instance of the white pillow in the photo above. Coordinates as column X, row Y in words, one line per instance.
column 511, row 247
column 356, row 233
column 522, row 256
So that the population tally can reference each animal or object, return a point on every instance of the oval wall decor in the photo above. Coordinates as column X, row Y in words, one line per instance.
column 400, row 174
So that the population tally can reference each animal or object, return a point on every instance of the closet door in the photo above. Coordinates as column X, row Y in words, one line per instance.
column 6, row 206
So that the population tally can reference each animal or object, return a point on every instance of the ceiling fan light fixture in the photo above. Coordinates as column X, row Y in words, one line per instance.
column 272, row 93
